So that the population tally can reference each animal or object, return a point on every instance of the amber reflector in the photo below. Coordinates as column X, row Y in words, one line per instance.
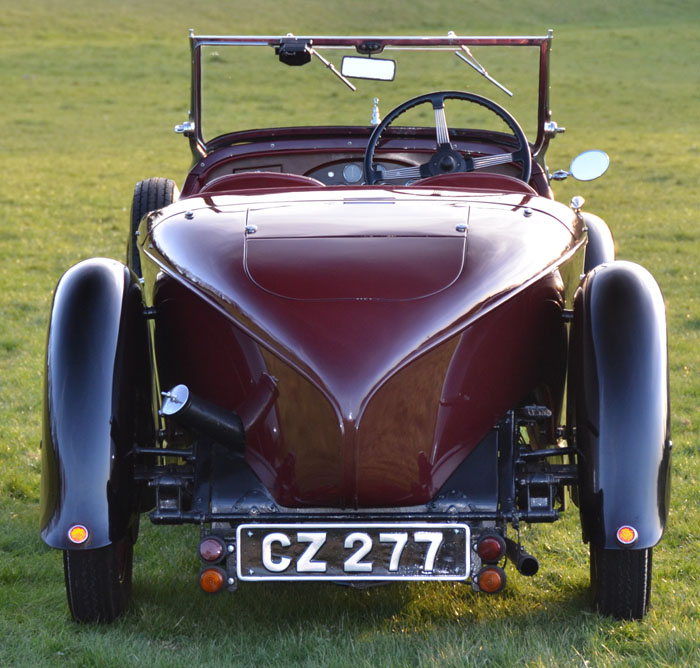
column 212, row 580
column 627, row 535
column 78, row 534
column 211, row 549
column 491, row 579
column 491, row 548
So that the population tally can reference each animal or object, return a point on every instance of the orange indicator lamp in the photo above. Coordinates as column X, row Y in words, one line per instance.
column 627, row 535
column 78, row 534
column 491, row 579
column 212, row 579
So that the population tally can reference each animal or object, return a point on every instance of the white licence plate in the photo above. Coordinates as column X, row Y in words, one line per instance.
column 381, row 551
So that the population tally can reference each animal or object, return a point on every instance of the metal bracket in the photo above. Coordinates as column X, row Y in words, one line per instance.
column 551, row 129
column 187, row 128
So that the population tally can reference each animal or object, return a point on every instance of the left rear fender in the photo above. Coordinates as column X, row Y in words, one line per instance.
column 97, row 399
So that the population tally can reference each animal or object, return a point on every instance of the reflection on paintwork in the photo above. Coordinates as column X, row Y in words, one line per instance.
column 347, row 358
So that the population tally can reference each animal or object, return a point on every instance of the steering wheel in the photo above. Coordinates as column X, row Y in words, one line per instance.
column 446, row 158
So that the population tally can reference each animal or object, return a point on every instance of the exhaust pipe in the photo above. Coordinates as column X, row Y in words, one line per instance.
column 207, row 418
column 524, row 561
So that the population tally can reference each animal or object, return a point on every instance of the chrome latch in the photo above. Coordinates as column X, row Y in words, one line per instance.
column 576, row 204
column 551, row 129
column 185, row 128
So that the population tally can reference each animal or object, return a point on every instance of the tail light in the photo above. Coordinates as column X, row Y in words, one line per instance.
column 211, row 549
column 212, row 579
column 491, row 579
column 491, row 547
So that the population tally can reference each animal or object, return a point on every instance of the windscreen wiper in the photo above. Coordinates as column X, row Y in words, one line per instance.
column 329, row 65
column 470, row 60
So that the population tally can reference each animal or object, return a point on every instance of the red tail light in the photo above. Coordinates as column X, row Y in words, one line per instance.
column 211, row 549
column 491, row 547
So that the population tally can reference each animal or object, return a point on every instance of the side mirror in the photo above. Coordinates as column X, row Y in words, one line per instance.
column 379, row 69
column 589, row 165
column 586, row 166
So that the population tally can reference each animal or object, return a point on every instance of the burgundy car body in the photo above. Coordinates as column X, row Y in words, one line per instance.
column 376, row 317
column 292, row 356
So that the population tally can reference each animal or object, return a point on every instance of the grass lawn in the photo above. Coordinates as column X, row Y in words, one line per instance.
column 91, row 91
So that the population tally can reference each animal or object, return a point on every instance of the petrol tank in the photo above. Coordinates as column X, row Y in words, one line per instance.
column 374, row 338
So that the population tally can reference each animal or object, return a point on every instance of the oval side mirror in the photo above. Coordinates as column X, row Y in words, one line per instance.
column 589, row 165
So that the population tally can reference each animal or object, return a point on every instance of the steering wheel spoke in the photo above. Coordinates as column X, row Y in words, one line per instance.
column 400, row 173
column 441, row 129
column 446, row 158
column 492, row 160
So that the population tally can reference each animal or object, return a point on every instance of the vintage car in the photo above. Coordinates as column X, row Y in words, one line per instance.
column 359, row 349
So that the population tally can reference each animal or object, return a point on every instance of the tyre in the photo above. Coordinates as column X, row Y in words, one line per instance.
column 98, row 582
column 149, row 195
column 621, row 582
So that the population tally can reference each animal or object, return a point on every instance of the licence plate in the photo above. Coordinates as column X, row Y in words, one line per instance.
column 416, row 551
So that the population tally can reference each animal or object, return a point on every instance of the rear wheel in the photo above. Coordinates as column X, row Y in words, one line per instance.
column 98, row 582
column 621, row 582
column 149, row 195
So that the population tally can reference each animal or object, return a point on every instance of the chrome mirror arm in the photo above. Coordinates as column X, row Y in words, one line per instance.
column 586, row 166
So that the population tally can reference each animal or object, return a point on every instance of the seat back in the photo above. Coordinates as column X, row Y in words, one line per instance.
column 258, row 180
column 478, row 181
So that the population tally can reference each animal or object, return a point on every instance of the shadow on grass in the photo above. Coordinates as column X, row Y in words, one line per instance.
column 173, row 604
column 167, row 601
column 253, row 605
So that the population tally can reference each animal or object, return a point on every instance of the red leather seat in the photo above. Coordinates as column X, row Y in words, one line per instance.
column 478, row 181
column 258, row 180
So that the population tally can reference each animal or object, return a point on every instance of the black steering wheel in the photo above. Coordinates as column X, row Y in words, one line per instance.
column 446, row 158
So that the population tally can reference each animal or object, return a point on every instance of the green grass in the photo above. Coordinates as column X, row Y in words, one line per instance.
column 91, row 91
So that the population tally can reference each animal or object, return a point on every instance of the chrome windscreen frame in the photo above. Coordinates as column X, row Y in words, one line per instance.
column 364, row 45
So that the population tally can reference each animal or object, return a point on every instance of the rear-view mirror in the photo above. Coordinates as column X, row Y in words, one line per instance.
column 380, row 69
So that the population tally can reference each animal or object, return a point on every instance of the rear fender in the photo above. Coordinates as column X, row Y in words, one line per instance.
column 601, row 246
column 619, row 388
column 97, row 402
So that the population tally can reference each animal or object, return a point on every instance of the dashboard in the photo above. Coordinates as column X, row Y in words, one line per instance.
column 346, row 173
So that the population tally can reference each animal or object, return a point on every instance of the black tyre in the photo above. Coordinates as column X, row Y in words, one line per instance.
column 621, row 582
column 149, row 195
column 98, row 582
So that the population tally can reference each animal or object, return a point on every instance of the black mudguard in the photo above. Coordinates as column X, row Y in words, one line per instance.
column 97, row 403
column 619, row 392
column 601, row 246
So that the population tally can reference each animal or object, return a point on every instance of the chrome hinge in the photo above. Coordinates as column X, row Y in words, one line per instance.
column 551, row 129
column 186, row 128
